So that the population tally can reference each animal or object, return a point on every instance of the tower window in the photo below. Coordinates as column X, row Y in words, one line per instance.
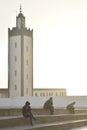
column 27, row 76
column 15, row 58
column 15, row 44
column 15, row 73
column 27, row 62
column 15, row 87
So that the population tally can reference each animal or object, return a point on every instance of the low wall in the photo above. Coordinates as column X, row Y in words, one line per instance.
column 36, row 111
column 37, row 102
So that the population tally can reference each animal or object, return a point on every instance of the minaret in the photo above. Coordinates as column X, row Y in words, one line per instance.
column 20, row 59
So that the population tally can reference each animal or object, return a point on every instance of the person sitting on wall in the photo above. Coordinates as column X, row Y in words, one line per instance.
column 26, row 111
column 71, row 108
column 48, row 105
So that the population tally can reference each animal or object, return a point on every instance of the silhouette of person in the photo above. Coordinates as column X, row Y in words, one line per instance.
column 71, row 108
column 26, row 111
column 48, row 105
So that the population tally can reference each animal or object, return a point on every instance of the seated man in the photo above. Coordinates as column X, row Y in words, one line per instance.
column 71, row 108
column 26, row 111
column 48, row 105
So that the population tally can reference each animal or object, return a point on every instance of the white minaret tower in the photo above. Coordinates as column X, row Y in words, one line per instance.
column 20, row 59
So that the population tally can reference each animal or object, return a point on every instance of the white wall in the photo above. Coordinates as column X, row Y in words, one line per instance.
column 37, row 102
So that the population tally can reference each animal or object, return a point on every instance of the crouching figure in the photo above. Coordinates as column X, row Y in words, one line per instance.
column 71, row 108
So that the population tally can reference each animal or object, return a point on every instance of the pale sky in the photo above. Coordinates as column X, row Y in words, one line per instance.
column 60, row 42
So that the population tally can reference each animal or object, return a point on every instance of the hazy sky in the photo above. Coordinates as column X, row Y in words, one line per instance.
column 60, row 42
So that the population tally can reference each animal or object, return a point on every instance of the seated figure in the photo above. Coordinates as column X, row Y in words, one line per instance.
column 26, row 111
column 48, row 105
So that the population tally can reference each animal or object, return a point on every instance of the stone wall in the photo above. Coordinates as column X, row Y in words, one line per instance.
column 37, row 102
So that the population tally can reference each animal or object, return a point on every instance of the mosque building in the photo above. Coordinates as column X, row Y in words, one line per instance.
column 20, row 59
